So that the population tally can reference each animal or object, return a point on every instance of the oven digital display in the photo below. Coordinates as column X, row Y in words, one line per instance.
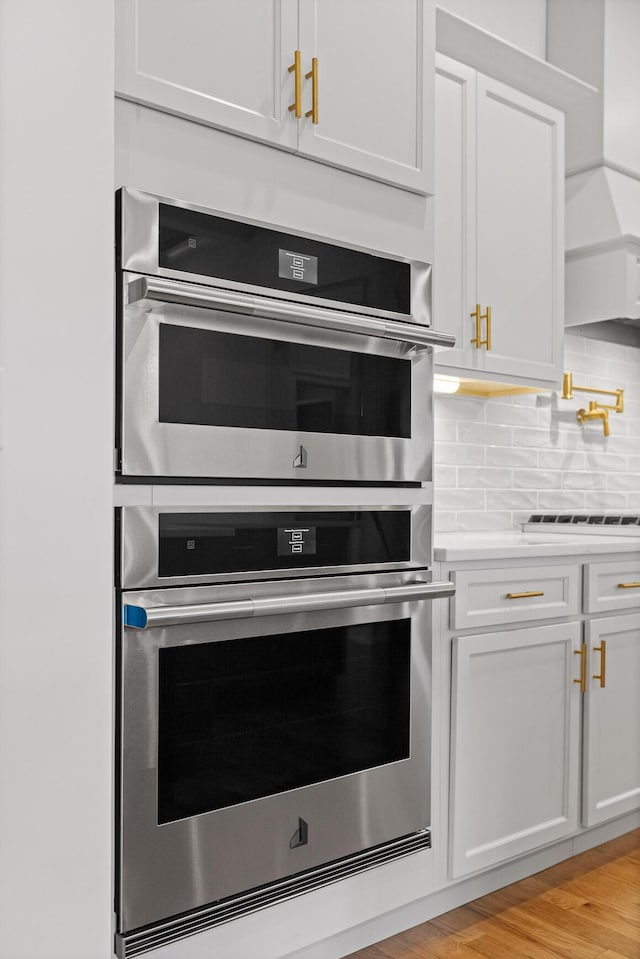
column 296, row 541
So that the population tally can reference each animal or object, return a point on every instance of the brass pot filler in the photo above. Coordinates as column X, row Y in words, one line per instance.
column 596, row 411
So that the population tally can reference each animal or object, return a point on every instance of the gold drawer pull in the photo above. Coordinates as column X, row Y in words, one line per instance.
column 583, row 668
column 602, row 649
column 524, row 595
column 628, row 585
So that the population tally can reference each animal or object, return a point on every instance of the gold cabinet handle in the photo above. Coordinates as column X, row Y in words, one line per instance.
column 628, row 585
column 313, row 76
column 583, row 668
column 602, row 649
column 477, row 340
column 524, row 595
column 296, row 66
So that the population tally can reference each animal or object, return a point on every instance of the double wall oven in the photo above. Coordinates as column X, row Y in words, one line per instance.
column 274, row 645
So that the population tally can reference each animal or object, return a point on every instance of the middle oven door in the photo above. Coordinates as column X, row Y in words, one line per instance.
column 237, row 732
column 213, row 393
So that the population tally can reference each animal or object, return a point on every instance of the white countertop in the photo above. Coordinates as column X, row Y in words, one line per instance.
column 513, row 544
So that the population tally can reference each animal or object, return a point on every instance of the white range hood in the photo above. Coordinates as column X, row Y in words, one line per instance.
column 597, row 41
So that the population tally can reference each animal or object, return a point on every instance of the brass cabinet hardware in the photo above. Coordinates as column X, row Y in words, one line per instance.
column 583, row 668
column 524, row 595
column 297, row 103
column 628, row 585
column 477, row 340
column 602, row 649
column 313, row 76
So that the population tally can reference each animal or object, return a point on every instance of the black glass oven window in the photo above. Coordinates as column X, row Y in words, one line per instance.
column 249, row 718
column 223, row 379
column 194, row 544
column 244, row 253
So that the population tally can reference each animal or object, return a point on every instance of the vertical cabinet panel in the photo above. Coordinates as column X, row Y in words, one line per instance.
column 520, row 195
column 514, row 743
column 375, row 88
column 454, row 278
column 498, row 228
column 611, row 757
column 223, row 64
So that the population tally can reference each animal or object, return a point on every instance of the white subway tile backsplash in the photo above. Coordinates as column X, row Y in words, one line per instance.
column 478, row 477
column 445, row 476
column 486, row 434
column 513, row 415
column 538, row 438
column 576, row 479
column 527, row 453
column 558, row 501
column 454, row 455
column 512, row 456
column 512, row 499
column 489, row 519
column 624, row 481
column 537, row 479
column 459, row 499
column 444, row 522
column 605, row 462
column 605, row 501
column 561, row 460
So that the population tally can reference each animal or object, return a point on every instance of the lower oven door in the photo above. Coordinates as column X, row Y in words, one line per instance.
column 219, row 384
column 267, row 729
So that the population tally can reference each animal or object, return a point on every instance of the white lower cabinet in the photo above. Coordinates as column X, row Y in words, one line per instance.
column 611, row 748
column 515, row 743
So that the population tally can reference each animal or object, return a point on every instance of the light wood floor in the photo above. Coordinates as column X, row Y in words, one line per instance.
column 587, row 907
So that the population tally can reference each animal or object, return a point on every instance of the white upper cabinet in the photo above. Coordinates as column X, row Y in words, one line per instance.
column 499, row 228
column 227, row 64
column 375, row 88
column 219, row 63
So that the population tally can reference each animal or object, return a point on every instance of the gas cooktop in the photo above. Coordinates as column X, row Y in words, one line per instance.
column 613, row 525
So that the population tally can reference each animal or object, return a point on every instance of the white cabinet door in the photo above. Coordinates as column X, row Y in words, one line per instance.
column 520, row 184
column 611, row 758
column 375, row 88
column 221, row 63
column 498, row 228
column 454, row 274
column 515, row 733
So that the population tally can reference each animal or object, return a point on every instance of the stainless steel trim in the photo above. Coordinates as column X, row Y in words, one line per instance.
column 133, row 944
column 209, row 297
column 140, row 546
column 140, row 228
column 152, row 616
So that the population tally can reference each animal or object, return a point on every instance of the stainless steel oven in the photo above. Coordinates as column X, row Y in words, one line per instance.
column 256, row 354
column 274, row 721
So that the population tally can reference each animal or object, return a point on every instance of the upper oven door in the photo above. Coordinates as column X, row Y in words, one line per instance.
column 218, row 385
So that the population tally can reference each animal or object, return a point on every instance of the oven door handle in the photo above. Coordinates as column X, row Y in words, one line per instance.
column 147, row 617
column 212, row 298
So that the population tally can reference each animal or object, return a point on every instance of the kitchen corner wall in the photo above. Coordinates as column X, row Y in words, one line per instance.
column 498, row 460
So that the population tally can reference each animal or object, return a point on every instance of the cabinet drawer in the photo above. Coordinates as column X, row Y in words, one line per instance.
column 488, row 597
column 611, row 586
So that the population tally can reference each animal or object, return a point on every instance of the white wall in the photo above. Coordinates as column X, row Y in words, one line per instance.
column 56, row 343
column 520, row 22
column 499, row 460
